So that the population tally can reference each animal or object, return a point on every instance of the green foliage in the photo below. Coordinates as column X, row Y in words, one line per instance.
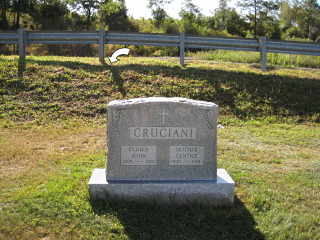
column 4, row 6
column 158, row 12
column 159, row 15
column 236, row 25
column 114, row 15
column 171, row 25
column 88, row 7
column 309, row 19
column 50, row 15
column 227, row 19
column 261, row 16
column 144, row 25
column 18, row 7
column 300, row 19
column 191, row 18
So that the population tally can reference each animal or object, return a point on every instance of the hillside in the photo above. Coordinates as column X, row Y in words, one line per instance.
column 52, row 88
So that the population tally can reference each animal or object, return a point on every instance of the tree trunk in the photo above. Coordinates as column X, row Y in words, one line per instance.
column 88, row 19
column 4, row 23
column 255, row 18
column 18, row 19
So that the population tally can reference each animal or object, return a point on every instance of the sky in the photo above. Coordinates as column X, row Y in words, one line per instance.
column 138, row 8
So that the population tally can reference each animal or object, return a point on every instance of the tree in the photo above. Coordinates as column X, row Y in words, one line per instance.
column 221, row 15
column 170, row 25
column 18, row 7
column 114, row 15
column 309, row 19
column 191, row 18
column 50, row 14
column 300, row 19
column 4, row 5
column 236, row 25
column 158, row 12
column 88, row 7
column 286, row 16
column 227, row 19
column 191, row 9
column 260, row 13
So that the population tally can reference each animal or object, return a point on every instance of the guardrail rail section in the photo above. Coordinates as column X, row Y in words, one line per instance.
column 263, row 45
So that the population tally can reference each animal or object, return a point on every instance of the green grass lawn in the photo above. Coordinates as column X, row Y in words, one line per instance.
column 53, row 134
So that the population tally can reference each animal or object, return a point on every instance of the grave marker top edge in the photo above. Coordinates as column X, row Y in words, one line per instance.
column 119, row 103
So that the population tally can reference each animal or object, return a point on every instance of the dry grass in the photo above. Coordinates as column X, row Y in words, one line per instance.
column 33, row 154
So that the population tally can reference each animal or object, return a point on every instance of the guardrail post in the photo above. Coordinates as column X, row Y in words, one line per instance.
column 263, row 53
column 22, row 43
column 102, row 40
column 182, row 47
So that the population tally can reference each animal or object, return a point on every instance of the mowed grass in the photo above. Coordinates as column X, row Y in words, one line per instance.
column 53, row 134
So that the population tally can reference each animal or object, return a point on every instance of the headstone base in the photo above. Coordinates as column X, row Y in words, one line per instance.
column 215, row 193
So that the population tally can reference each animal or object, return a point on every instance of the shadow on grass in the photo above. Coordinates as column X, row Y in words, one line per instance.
column 116, row 74
column 188, row 222
column 244, row 94
column 74, row 65
column 21, row 67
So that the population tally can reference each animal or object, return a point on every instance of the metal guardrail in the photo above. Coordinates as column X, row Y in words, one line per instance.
column 146, row 39
column 62, row 38
column 301, row 48
column 9, row 38
column 101, row 37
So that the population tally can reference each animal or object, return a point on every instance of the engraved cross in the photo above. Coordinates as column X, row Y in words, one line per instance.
column 163, row 113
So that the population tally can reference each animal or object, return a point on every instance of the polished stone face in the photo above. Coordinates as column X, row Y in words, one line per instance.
column 162, row 139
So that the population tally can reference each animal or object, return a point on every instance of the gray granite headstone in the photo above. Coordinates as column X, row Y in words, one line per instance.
column 162, row 139
column 162, row 150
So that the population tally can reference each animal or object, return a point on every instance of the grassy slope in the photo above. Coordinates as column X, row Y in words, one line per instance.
column 55, row 88
column 52, row 135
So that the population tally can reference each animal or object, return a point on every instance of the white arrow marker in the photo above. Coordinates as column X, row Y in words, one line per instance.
column 121, row 51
